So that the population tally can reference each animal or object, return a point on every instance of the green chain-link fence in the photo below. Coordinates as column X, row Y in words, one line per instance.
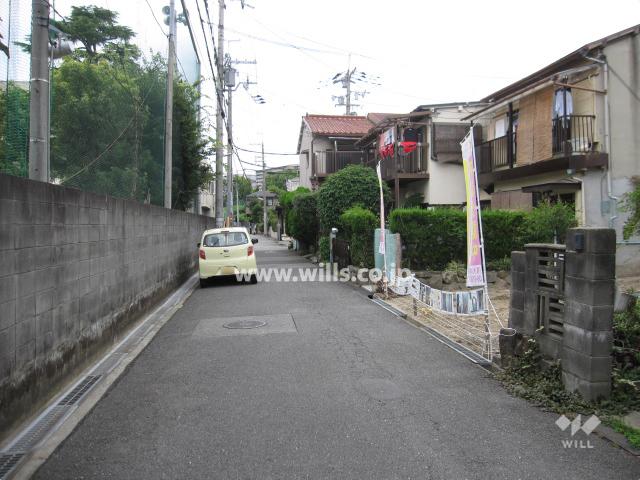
column 15, row 28
column 107, row 121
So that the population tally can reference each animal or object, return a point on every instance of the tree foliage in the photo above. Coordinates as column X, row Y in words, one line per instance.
column 277, row 181
column 302, row 219
column 93, row 27
column 351, row 186
column 243, row 187
column 108, row 111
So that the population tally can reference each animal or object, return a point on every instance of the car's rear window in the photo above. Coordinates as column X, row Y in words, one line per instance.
column 225, row 239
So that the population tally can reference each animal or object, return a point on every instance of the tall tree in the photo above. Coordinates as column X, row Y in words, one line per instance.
column 93, row 27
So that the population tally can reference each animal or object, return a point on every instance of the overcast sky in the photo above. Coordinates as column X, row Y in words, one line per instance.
column 422, row 51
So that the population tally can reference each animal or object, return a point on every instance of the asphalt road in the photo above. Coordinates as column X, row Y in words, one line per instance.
column 333, row 386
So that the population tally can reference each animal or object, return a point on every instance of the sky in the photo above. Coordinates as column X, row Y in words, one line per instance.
column 419, row 52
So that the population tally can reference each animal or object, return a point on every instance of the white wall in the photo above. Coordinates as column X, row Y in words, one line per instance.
column 446, row 180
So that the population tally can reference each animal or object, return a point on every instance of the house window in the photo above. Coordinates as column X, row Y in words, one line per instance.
column 562, row 103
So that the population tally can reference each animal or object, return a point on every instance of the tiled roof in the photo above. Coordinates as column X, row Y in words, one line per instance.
column 348, row 126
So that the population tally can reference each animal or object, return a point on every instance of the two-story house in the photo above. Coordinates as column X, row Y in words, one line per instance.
column 424, row 160
column 569, row 131
column 326, row 145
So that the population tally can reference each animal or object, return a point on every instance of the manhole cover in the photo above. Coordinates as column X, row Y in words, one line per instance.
column 245, row 324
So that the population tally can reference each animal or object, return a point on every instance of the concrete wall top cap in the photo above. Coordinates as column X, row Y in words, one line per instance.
column 596, row 240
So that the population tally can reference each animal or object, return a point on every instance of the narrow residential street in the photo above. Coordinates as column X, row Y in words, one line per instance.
column 333, row 386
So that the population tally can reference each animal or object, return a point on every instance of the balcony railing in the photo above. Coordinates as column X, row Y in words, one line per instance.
column 328, row 162
column 413, row 163
column 573, row 134
column 494, row 154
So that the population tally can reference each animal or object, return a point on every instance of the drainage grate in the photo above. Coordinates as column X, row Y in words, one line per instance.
column 7, row 462
column 109, row 363
column 38, row 430
column 83, row 387
column 245, row 324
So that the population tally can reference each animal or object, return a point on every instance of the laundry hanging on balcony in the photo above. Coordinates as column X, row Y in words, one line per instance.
column 386, row 142
column 409, row 141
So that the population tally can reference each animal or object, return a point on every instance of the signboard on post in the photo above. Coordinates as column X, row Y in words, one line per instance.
column 476, row 275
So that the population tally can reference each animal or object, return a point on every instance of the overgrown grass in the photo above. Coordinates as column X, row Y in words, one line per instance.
column 525, row 377
column 632, row 434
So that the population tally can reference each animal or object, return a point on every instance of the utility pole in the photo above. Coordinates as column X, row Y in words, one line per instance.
column 39, row 97
column 220, row 103
column 168, row 117
column 349, row 74
column 264, row 194
column 230, row 81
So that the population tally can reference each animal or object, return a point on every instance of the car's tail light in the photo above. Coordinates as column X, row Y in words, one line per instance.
column 202, row 254
column 250, row 251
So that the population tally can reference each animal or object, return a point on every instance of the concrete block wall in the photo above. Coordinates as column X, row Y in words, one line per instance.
column 589, row 296
column 75, row 269
column 516, row 301
column 585, row 341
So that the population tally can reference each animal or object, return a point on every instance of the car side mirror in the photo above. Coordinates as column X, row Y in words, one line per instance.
column 254, row 240
column 198, row 244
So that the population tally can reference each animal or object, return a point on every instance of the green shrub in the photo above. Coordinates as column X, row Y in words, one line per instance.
column 287, row 198
column 302, row 219
column 351, row 186
column 357, row 225
column 499, row 264
column 504, row 231
column 631, row 205
column 548, row 222
column 432, row 237
column 323, row 248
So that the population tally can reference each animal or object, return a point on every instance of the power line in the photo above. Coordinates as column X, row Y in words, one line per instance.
column 155, row 18
column 266, row 153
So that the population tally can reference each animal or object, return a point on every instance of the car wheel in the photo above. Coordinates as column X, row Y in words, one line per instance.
column 254, row 279
column 203, row 283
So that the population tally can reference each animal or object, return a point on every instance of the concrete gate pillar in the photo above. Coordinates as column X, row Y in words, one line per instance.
column 588, row 320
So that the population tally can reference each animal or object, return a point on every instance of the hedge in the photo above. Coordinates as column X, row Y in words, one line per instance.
column 357, row 226
column 432, row 237
column 436, row 237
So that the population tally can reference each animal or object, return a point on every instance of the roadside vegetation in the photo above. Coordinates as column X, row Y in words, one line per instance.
column 530, row 377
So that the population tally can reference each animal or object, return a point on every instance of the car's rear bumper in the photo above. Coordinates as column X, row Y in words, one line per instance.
column 214, row 269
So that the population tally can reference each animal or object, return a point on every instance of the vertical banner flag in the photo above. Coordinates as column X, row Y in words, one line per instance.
column 475, row 247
